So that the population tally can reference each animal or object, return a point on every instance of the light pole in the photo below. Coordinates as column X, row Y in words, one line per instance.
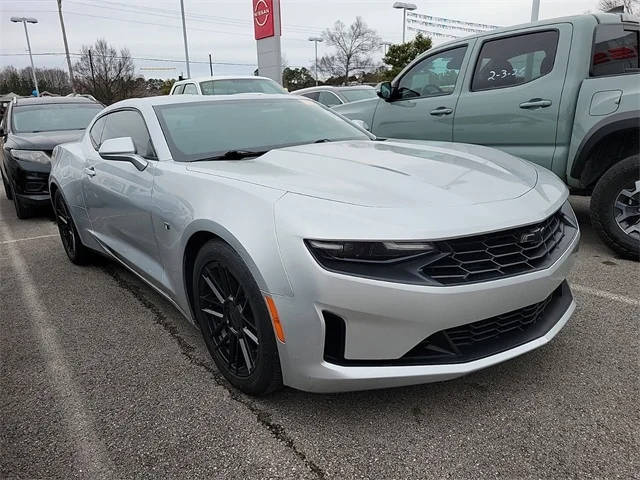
column 315, row 40
column 535, row 10
column 24, row 21
column 66, row 47
column 184, row 34
column 404, row 7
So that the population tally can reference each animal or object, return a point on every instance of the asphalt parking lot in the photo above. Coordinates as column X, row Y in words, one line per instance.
column 102, row 378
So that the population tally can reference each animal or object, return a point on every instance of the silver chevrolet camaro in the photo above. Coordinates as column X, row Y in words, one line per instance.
column 311, row 253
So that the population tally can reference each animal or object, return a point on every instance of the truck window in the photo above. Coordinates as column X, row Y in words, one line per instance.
column 615, row 50
column 433, row 76
column 511, row 61
column 178, row 90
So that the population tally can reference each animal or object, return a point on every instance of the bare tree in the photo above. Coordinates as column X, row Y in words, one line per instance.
column 630, row 6
column 353, row 46
column 106, row 73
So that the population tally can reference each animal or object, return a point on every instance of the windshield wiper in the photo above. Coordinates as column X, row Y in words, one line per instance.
column 233, row 155
column 323, row 140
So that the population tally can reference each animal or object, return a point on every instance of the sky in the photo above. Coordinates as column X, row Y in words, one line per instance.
column 152, row 31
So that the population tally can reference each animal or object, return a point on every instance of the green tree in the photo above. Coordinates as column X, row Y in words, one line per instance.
column 399, row 56
column 297, row 78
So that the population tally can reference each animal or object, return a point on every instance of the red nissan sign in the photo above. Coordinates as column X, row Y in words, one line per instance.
column 263, row 24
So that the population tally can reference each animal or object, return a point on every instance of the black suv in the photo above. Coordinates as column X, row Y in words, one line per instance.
column 30, row 129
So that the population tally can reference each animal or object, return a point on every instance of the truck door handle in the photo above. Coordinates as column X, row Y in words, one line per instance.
column 90, row 171
column 441, row 111
column 536, row 103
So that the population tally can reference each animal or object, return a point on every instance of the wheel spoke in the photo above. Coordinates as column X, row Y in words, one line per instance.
column 250, row 334
column 213, row 288
column 62, row 219
column 245, row 354
column 213, row 312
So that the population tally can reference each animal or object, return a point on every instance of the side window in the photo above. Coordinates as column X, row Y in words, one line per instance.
column 190, row 89
column 178, row 90
column 312, row 95
column 329, row 99
column 511, row 61
column 96, row 132
column 615, row 50
column 129, row 123
column 433, row 76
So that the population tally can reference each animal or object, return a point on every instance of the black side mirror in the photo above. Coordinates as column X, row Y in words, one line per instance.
column 385, row 91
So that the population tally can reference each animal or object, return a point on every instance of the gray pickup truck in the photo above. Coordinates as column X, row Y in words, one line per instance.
column 563, row 93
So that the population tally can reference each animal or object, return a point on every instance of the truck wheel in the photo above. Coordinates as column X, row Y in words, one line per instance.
column 615, row 207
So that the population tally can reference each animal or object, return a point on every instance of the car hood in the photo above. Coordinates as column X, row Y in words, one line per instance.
column 386, row 174
column 44, row 140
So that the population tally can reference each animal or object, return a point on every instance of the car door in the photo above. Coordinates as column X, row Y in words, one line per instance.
column 424, row 98
column 511, row 99
column 118, row 196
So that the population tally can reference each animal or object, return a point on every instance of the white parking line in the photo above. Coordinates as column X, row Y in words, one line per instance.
column 604, row 294
column 28, row 238
column 91, row 452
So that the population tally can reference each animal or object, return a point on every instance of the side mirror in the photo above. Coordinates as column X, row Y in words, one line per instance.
column 385, row 91
column 122, row 149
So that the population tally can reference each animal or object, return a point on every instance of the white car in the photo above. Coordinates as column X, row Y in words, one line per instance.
column 225, row 86
column 311, row 253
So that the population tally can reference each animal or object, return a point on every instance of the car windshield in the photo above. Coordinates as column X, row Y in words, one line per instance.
column 240, row 85
column 203, row 130
column 353, row 95
column 53, row 117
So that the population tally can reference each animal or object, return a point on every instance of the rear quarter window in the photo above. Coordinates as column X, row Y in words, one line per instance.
column 615, row 50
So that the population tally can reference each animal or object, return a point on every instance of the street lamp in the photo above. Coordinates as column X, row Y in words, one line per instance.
column 404, row 6
column 315, row 40
column 24, row 21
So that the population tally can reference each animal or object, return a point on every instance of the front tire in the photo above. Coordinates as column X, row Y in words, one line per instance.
column 22, row 211
column 615, row 207
column 7, row 188
column 234, row 320
column 75, row 250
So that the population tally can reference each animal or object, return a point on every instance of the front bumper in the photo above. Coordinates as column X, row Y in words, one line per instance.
column 29, row 180
column 386, row 320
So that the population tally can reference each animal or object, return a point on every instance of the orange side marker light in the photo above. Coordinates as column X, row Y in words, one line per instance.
column 275, row 318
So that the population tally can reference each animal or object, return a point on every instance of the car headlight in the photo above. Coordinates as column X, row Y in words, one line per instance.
column 383, row 260
column 31, row 156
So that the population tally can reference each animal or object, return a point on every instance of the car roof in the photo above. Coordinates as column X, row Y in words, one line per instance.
column 222, row 77
column 52, row 100
column 176, row 99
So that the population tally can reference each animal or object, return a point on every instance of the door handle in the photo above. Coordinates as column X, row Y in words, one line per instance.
column 441, row 111
column 90, row 171
column 536, row 103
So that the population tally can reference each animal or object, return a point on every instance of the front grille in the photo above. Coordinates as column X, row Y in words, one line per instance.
column 500, row 254
column 464, row 343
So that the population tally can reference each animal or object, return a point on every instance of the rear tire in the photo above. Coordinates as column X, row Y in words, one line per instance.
column 75, row 250
column 615, row 207
column 234, row 320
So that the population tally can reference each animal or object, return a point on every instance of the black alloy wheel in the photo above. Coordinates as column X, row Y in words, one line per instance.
column 234, row 320
column 76, row 251
column 229, row 319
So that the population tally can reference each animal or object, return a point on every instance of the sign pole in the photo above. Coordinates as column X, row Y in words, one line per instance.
column 267, row 29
